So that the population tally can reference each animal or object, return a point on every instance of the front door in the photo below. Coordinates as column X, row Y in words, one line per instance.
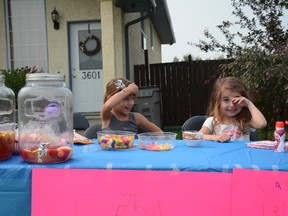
column 86, row 69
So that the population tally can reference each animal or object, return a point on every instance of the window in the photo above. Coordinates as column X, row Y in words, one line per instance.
column 27, row 34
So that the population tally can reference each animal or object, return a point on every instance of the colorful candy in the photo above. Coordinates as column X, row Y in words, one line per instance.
column 116, row 141
column 156, row 146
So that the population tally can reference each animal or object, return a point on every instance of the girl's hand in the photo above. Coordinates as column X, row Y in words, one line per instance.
column 241, row 101
column 223, row 137
column 132, row 88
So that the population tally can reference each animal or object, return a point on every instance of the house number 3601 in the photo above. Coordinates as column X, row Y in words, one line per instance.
column 91, row 75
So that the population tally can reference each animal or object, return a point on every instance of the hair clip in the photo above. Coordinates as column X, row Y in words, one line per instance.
column 119, row 84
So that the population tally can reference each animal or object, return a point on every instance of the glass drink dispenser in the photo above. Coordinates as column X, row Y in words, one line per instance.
column 45, row 119
column 7, row 120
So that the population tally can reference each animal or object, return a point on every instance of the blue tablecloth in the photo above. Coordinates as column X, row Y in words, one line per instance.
column 15, row 175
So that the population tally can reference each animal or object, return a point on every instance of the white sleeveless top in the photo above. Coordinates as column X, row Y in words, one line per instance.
column 228, row 129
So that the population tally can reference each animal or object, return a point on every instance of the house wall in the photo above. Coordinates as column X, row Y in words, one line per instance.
column 136, row 52
column 112, row 40
column 156, row 53
column 113, row 22
column 69, row 11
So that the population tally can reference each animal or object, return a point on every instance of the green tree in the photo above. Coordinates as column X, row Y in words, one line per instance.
column 189, row 57
column 175, row 59
column 261, row 27
column 260, row 50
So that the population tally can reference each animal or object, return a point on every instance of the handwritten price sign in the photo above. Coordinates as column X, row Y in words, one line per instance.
column 258, row 192
column 129, row 193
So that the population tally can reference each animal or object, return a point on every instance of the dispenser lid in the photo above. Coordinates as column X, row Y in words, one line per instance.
column 45, row 76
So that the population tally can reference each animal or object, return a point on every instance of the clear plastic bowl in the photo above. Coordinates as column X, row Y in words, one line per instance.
column 157, row 141
column 116, row 139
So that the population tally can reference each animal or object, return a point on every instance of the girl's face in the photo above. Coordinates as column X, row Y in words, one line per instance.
column 125, row 106
column 227, row 107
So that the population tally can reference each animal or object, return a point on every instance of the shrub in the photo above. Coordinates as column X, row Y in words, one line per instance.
column 16, row 79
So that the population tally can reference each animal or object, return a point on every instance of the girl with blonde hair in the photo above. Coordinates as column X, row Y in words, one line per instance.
column 231, row 113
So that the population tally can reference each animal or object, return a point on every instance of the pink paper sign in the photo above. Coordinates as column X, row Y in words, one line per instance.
column 259, row 192
column 129, row 193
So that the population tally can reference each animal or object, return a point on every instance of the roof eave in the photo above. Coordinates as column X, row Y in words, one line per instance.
column 162, row 23
column 160, row 19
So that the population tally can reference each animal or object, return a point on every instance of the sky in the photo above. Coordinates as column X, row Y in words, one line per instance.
column 189, row 20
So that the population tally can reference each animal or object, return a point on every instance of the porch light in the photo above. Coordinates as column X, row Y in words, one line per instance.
column 55, row 17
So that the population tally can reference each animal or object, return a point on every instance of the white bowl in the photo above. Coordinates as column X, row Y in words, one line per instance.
column 192, row 138
column 190, row 142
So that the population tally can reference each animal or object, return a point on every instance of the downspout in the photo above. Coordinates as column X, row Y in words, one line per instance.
column 151, row 11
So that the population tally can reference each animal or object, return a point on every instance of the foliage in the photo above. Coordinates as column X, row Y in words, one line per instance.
column 175, row 59
column 189, row 57
column 175, row 129
column 15, row 79
column 262, row 28
column 260, row 51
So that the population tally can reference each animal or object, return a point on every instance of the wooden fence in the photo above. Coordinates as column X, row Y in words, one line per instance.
column 184, row 87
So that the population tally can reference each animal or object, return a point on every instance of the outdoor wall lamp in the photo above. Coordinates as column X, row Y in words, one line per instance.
column 55, row 17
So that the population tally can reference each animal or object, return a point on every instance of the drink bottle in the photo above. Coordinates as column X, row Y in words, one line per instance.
column 279, row 135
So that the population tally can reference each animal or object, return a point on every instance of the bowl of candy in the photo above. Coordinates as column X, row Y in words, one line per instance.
column 116, row 139
column 192, row 138
column 157, row 141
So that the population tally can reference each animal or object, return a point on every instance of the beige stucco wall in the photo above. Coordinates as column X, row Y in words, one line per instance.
column 119, row 43
column 136, row 52
column 156, row 53
column 112, row 40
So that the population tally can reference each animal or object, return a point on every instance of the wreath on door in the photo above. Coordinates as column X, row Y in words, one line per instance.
column 83, row 48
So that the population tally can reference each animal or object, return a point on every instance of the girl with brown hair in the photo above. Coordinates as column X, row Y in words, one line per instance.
column 116, row 112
